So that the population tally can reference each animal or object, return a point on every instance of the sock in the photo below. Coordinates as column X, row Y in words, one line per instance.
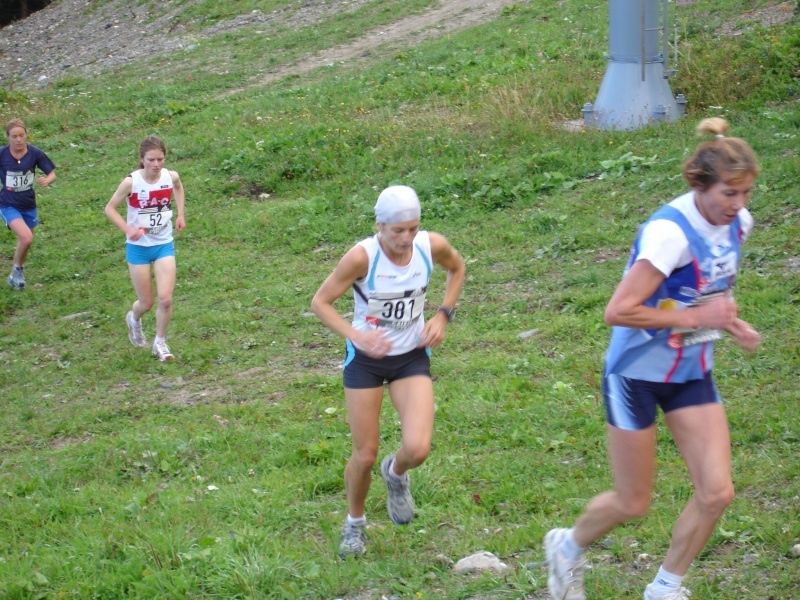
column 665, row 582
column 359, row 522
column 569, row 549
column 393, row 473
column 159, row 339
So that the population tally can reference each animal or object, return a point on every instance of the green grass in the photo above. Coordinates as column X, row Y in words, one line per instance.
column 219, row 475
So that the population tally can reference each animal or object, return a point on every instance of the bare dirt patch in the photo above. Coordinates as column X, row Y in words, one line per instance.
column 67, row 39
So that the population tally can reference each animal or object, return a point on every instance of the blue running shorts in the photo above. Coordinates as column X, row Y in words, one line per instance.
column 144, row 255
column 9, row 213
column 631, row 404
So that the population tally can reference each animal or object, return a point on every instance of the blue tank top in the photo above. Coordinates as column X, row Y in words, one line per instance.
column 672, row 355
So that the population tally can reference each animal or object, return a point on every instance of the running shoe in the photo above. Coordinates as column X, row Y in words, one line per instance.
column 135, row 333
column 680, row 594
column 399, row 502
column 161, row 350
column 353, row 541
column 16, row 279
column 565, row 580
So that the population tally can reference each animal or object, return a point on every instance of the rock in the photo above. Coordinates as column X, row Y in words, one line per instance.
column 796, row 550
column 481, row 562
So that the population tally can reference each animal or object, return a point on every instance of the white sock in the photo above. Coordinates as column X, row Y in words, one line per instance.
column 159, row 339
column 393, row 473
column 665, row 582
column 569, row 549
column 359, row 522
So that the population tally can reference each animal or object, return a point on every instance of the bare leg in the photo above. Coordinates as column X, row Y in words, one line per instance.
column 632, row 455
column 143, row 286
column 363, row 411
column 24, row 240
column 412, row 397
column 165, row 285
column 701, row 433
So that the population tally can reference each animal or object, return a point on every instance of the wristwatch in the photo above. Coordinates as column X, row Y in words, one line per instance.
column 450, row 313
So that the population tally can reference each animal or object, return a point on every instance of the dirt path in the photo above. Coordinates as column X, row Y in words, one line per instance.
column 63, row 40
column 451, row 15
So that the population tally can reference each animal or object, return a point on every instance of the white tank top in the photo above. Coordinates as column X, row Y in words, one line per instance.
column 392, row 297
column 150, row 209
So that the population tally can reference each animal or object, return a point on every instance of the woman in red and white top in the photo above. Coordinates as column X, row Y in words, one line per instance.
column 149, row 193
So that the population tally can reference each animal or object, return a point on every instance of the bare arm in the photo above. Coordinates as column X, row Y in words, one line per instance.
column 180, row 198
column 627, row 309
column 446, row 256
column 111, row 210
column 351, row 267
column 45, row 180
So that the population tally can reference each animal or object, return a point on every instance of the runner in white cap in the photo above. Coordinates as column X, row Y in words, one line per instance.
column 389, row 341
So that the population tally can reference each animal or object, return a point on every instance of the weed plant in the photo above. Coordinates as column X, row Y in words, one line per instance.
column 219, row 474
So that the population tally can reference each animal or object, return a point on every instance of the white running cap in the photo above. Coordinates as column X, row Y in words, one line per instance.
column 397, row 204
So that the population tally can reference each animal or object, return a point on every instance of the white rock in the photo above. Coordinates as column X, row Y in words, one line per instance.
column 796, row 549
column 481, row 561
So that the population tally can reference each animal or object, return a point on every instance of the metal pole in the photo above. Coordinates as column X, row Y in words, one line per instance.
column 665, row 37
column 643, row 45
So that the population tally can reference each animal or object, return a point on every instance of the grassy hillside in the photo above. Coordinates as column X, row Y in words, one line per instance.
column 219, row 474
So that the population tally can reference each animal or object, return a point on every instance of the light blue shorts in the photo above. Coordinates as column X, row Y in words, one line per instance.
column 9, row 213
column 145, row 255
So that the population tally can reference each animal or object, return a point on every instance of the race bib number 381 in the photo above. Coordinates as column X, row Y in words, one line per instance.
column 395, row 310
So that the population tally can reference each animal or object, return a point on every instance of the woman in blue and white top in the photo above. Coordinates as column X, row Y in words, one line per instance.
column 389, row 341
column 18, row 163
column 675, row 299
column 148, row 193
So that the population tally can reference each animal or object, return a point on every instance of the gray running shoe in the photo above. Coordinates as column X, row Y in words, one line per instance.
column 353, row 541
column 161, row 350
column 135, row 333
column 399, row 502
column 16, row 280
column 565, row 580
column 680, row 594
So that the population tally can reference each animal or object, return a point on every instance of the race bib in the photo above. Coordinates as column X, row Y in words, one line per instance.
column 681, row 337
column 17, row 181
column 395, row 310
column 153, row 221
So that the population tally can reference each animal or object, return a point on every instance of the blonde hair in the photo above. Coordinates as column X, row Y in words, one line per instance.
column 728, row 159
column 151, row 142
column 15, row 123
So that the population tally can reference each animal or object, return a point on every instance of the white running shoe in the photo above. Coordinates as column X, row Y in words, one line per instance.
column 161, row 350
column 399, row 503
column 135, row 333
column 565, row 580
column 353, row 541
column 680, row 594
column 16, row 279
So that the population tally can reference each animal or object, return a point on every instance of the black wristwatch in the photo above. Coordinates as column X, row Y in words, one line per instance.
column 450, row 313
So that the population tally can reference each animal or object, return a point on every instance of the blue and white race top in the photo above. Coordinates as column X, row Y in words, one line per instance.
column 699, row 261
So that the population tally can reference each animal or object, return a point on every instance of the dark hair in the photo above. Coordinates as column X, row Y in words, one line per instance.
column 727, row 159
column 15, row 123
column 151, row 142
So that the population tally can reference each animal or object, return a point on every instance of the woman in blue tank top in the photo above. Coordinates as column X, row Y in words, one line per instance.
column 675, row 299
